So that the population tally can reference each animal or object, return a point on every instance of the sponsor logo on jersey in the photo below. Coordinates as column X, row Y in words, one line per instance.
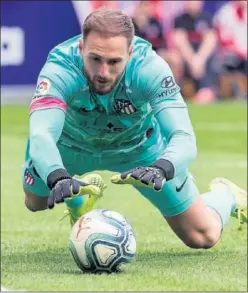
column 168, row 92
column 112, row 128
column 168, row 82
column 124, row 106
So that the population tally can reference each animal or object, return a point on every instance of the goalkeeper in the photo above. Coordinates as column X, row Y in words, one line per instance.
column 106, row 101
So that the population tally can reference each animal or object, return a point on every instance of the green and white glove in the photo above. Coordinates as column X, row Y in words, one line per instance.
column 154, row 176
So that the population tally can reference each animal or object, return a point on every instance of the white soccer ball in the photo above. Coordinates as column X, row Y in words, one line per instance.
column 102, row 241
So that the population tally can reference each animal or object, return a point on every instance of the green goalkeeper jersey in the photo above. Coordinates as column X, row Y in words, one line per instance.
column 116, row 121
column 146, row 100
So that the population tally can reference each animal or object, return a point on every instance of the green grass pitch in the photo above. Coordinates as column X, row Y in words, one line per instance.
column 34, row 246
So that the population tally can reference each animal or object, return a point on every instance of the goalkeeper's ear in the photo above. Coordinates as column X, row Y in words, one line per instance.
column 81, row 46
column 130, row 52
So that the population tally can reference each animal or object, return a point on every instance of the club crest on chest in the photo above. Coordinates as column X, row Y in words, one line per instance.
column 124, row 106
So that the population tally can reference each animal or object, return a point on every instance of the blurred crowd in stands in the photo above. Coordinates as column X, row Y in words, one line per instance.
column 205, row 45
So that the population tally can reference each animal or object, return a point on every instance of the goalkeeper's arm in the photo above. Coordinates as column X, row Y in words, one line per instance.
column 181, row 150
column 45, row 127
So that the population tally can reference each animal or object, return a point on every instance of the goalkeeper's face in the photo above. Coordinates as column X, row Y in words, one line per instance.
column 105, row 59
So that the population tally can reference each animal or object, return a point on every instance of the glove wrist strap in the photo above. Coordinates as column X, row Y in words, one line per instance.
column 56, row 176
column 167, row 167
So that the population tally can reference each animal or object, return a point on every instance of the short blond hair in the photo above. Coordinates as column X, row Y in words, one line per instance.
column 109, row 22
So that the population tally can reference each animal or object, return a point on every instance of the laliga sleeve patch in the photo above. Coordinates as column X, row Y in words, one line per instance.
column 42, row 88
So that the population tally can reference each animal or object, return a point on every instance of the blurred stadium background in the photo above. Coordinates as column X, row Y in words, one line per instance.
column 34, row 245
column 30, row 29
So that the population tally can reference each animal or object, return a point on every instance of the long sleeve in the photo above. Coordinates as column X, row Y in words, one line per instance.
column 45, row 129
column 159, row 88
column 176, row 127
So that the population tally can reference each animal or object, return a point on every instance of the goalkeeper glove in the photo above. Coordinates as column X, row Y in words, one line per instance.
column 154, row 176
column 63, row 186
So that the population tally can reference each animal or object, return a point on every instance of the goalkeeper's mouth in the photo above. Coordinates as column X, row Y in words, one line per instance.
column 102, row 86
column 102, row 81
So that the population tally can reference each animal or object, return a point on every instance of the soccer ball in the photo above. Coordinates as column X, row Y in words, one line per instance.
column 102, row 241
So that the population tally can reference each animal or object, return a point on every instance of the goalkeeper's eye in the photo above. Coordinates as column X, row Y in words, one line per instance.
column 96, row 59
column 113, row 62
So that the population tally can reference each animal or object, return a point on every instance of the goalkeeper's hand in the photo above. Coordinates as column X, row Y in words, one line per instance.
column 63, row 186
column 142, row 176
column 154, row 176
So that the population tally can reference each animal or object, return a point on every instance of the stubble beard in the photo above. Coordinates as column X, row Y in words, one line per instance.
column 94, row 89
